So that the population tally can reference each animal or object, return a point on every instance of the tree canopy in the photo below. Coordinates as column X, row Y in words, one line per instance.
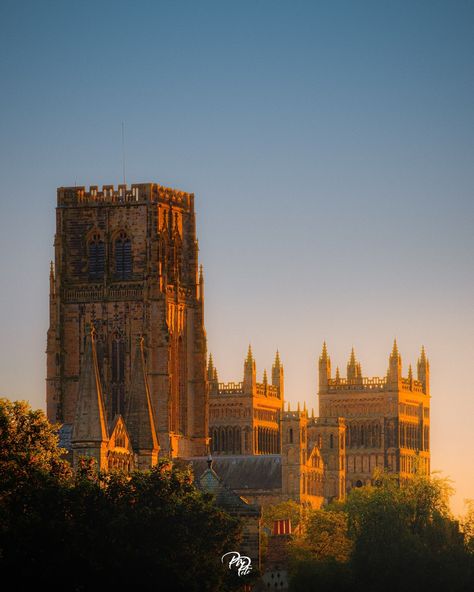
column 78, row 532
column 397, row 537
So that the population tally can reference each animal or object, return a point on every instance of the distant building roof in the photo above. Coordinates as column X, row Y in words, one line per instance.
column 244, row 472
column 227, row 499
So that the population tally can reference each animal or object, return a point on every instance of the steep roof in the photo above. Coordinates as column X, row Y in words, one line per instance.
column 225, row 498
column 139, row 415
column 90, row 423
column 244, row 472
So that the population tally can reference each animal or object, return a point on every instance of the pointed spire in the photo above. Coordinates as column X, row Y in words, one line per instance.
column 52, row 288
column 277, row 362
column 312, row 412
column 338, row 374
column 324, row 369
column 288, row 409
column 90, row 423
column 423, row 354
column 298, row 408
column 324, row 353
column 210, row 368
column 353, row 367
column 352, row 360
column 423, row 371
column 395, row 366
column 249, row 354
column 250, row 373
column 265, row 378
column 395, row 349
column 304, row 405
column 140, row 416
column 201, row 283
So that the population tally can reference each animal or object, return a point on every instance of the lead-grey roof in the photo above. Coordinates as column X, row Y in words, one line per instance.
column 243, row 472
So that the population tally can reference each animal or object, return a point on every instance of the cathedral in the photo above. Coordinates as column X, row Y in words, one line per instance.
column 129, row 380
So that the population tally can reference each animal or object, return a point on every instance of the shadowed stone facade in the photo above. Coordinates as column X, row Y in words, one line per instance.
column 126, row 264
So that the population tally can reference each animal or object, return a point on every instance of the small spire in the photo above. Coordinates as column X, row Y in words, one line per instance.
column 249, row 354
column 304, row 406
column 201, row 283
column 288, row 409
column 324, row 353
column 210, row 368
column 395, row 349
column 352, row 360
column 423, row 354
column 312, row 412
column 298, row 409
column 209, row 461
column 410, row 373
column 265, row 379
column 338, row 374
column 277, row 362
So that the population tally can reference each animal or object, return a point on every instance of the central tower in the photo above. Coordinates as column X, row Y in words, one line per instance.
column 126, row 263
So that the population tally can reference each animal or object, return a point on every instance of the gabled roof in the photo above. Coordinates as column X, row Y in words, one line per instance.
column 117, row 429
column 225, row 498
column 244, row 472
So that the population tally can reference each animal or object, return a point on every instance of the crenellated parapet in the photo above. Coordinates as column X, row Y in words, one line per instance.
column 136, row 193
column 392, row 381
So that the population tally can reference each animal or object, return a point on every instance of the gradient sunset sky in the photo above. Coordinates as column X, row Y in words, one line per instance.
column 330, row 147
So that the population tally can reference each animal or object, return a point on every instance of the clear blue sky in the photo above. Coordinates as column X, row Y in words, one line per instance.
column 330, row 147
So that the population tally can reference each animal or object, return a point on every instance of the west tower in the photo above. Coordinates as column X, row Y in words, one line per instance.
column 126, row 264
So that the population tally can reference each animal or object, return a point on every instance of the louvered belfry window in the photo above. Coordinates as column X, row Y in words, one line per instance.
column 96, row 257
column 123, row 257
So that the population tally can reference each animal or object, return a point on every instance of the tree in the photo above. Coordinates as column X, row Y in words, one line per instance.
column 90, row 530
column 324, row 538
column 319, row 558
column 404, row 536
column 28, row 444
column 467, row 525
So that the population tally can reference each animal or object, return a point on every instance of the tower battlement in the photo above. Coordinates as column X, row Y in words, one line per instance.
column 137, row 192
column 356, row 382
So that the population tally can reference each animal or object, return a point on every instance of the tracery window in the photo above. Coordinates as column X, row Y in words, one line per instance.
column 123, row 256
column 96, row 256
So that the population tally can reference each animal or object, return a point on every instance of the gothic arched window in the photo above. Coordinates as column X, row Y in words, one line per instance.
column 96, row 256
column 123, row 257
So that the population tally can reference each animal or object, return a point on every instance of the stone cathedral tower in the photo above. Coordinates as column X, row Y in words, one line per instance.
column 126, row 267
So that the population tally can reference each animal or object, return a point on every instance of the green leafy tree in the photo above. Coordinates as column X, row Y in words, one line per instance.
column 325, row 538
column 319, row 557
column 405, row 538
column 28, row 444
column 89, row 530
